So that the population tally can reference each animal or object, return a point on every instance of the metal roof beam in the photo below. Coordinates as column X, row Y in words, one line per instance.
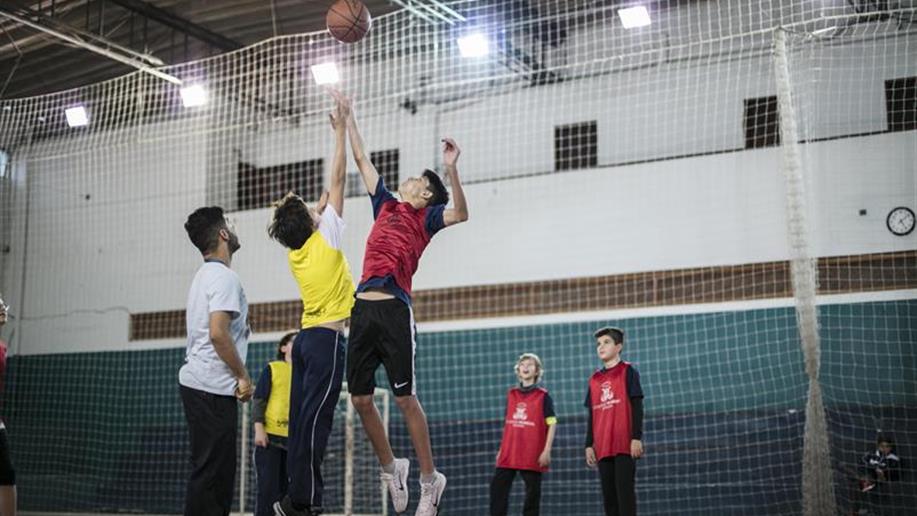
column 180, row 24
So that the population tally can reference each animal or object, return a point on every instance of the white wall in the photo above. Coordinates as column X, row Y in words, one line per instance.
column 89, row 263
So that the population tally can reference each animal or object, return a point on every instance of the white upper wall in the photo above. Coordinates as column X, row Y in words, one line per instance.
column 90, row 262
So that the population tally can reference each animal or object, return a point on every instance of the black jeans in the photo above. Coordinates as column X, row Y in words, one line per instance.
column 617, row 476
column 212, row 426
column 502, row 483
column 271, row 471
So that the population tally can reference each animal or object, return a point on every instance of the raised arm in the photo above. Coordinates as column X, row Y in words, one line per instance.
column 339, row 117
column 367, row 169
column 459, row 211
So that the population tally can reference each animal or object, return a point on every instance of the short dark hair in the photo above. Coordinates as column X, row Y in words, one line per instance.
column 203, row 227
column 616, row 334
column 885, row 438
column 283, row 342
column 437, row 188
column 291, row 224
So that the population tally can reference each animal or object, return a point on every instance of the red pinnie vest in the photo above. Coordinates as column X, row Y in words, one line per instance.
column 524, row 430
column 395, row 243
column 611, row 418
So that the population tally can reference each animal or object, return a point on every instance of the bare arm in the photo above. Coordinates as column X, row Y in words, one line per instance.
column 367, row 169
column 544, row 460
column 339, row 163
column 459, row 211
column 223, row 345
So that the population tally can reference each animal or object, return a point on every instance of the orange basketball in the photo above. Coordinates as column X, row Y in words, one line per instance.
column 348, row 20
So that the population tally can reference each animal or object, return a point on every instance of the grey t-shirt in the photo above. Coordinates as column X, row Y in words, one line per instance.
column 215, row 288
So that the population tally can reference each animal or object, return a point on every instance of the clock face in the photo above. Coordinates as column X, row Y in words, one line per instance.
column 900, row 221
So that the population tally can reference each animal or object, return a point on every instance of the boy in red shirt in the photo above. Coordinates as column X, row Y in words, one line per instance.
column 615, row 425
column 528, row 433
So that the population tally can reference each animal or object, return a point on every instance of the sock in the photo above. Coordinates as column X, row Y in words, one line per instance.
column 389, row 468
column 427, row 478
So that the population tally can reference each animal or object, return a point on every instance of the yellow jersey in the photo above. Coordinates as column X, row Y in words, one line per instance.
column 322, row 273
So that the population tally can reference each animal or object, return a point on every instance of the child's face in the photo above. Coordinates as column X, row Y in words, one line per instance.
column 885, row 448
column 606, row 348
column 527, row 370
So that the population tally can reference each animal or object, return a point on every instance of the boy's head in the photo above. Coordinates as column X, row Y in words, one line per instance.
column 608, row 343
column 293, row 221
column 285, row 346
column 885, row 444
column 425, row 190
column 207, row 227
column 529, row 368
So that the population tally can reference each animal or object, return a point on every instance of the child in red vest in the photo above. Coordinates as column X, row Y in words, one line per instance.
column 528, row 433
column 615, row 425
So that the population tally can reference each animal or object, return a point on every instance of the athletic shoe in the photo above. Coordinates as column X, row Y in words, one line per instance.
column 285, row 508
column 430, row 493
column 397, row 484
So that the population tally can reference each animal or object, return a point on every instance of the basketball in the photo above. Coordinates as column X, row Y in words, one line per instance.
column 348, row 20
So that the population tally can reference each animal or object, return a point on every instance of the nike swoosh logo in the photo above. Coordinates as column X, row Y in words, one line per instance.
column 400, row 385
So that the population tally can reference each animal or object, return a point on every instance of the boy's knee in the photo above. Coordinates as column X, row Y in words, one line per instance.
column 407, row 403
column 362, row 402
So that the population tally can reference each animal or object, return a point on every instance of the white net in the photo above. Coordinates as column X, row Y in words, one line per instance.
column 628, row 176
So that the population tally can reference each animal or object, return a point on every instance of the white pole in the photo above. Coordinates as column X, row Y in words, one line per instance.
column 243, row 464
column 348, row 458
column 385, row 419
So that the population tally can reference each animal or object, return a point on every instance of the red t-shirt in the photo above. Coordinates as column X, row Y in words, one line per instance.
column 609, row 400
column 525, row 430
column 397, row 240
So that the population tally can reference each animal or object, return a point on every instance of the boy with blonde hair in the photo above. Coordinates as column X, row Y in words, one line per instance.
column 528, row 434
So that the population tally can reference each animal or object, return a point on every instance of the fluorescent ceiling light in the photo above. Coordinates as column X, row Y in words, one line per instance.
column 325, row 73
column 636, row 16
column 77, row 116
column 194, row 95
column 474, row 45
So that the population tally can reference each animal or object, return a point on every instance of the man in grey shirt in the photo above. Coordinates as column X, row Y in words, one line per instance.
column 214, row 374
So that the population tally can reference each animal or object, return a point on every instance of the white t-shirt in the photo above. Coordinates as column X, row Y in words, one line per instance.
column 215, row 288
column 331, row 226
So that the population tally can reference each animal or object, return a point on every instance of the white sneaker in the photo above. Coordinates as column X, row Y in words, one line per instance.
column 397, row 484
column 430, row 494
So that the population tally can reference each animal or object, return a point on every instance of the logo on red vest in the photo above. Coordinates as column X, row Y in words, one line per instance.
column 607, row 400
column 521, row 416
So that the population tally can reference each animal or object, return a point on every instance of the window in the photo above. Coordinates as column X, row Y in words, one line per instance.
column 901, row 103
column 259, row 187
column 762, row 123
column 576, row 146
column 387, row 164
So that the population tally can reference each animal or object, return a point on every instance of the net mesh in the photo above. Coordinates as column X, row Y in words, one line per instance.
column 640, row 177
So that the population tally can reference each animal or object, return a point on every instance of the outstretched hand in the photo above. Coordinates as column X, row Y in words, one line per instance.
column 342, row 109
column 451, row 152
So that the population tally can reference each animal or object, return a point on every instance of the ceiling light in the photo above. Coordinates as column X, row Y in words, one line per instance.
column 194, row 95
column 325, row 73
column 636, row 16
column 77, row 116
column 474, row 45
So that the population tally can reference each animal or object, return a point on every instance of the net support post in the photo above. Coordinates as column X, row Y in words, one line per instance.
column 817, row 485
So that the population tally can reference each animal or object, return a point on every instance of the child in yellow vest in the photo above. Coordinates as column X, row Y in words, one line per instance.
column 271, row 414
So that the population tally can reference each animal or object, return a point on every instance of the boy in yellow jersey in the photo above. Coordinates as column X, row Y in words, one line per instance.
column 314, row 238
column 271, row 415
